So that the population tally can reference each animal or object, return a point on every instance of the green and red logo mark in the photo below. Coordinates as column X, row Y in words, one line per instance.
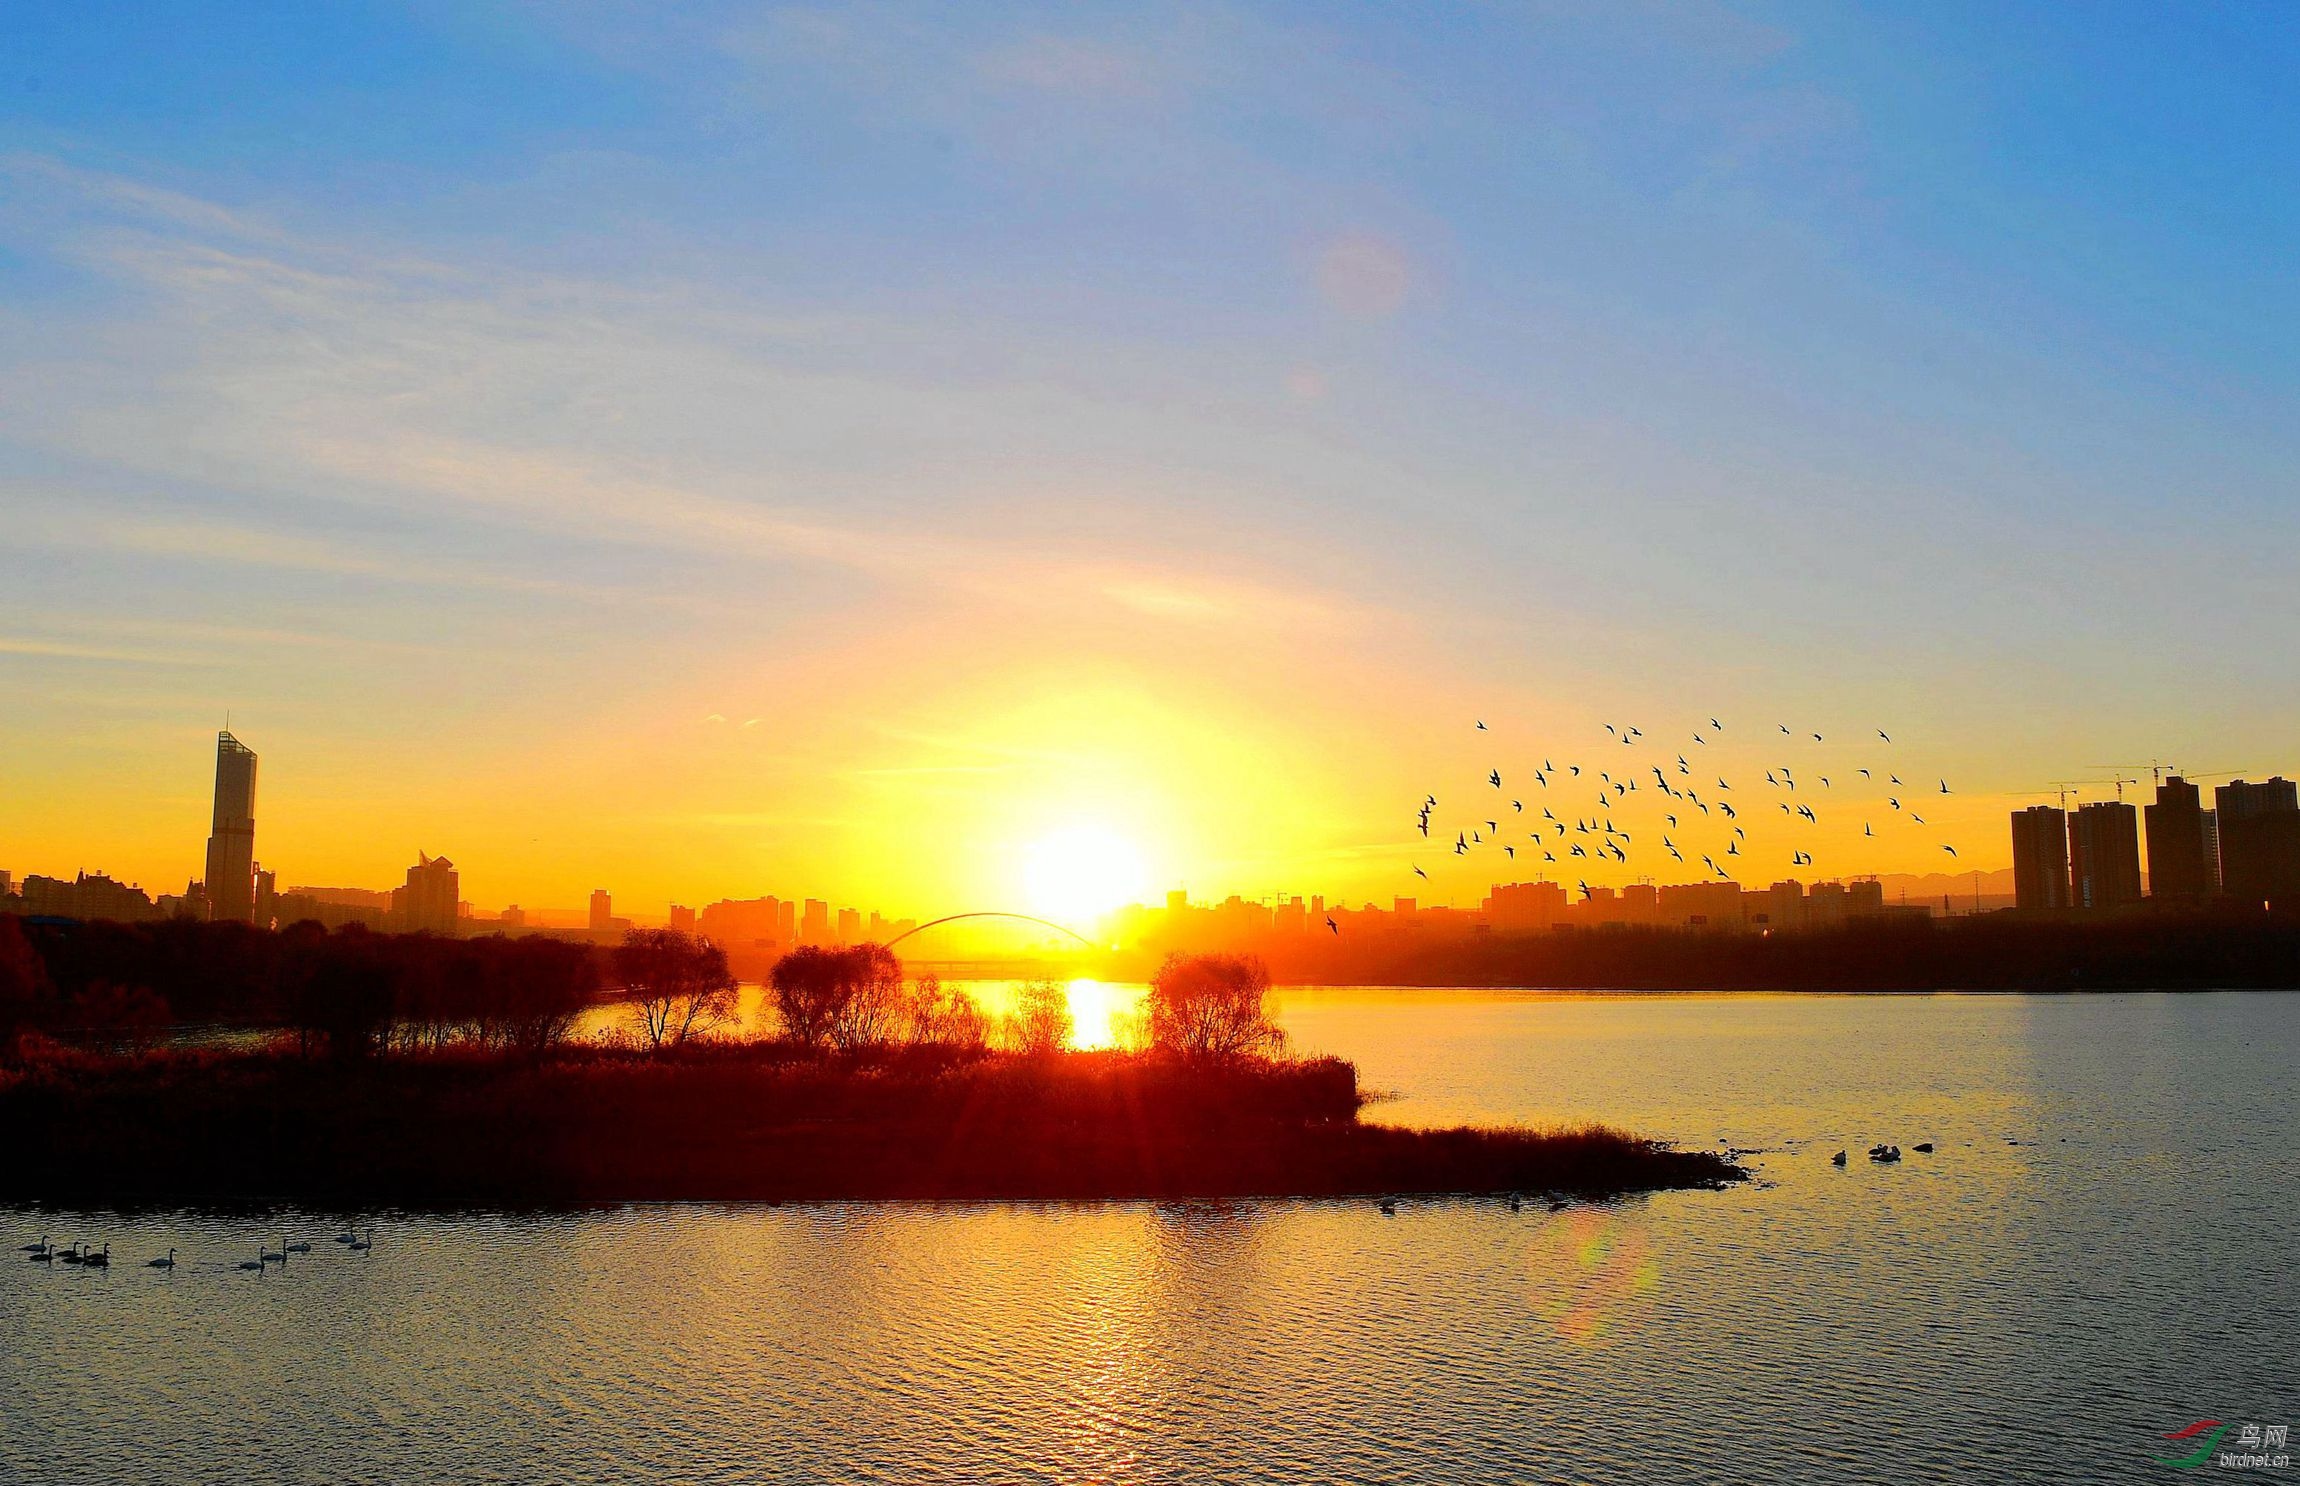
column 2211, row 1429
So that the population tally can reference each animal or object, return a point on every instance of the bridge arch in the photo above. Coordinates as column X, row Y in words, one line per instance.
column 951, row 918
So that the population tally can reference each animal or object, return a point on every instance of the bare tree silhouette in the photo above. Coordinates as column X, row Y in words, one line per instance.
column 679, row 985
column 1211, row 1006
column 1041, row 1023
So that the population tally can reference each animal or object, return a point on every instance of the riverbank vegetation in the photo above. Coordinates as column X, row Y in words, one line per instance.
column 441, row 1074
column 751, row 1121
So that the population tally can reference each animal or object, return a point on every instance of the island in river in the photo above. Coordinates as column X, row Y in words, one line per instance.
column 756, row 1122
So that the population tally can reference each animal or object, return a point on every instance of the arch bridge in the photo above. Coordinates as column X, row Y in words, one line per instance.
column 952, row 918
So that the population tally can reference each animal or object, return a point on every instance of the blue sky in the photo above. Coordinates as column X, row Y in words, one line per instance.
column 477, row 399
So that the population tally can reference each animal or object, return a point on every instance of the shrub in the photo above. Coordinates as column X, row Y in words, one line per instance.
column 1041, row 1021
column 25, row 995
column 934, row 1017
column 1211, row 1006
column 113, row 1013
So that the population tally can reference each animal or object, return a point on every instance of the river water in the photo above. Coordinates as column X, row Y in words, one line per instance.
column 2098, row 1253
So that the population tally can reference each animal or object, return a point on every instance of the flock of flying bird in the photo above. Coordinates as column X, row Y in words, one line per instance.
column 1587, row 801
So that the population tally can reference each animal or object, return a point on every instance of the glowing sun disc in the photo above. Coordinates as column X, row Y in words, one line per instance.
column 1079, row 873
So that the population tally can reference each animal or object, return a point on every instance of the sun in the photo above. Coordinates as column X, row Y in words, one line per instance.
column 1079, row 873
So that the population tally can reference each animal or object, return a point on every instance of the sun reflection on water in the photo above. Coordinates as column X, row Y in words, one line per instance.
column 1103, row 1015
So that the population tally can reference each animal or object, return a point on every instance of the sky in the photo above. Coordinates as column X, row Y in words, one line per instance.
column 835, row 450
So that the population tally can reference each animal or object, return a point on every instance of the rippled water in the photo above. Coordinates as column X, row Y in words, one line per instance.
column 2098, row 1253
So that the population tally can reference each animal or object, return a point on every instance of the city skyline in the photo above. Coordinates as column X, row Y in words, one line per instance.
column 2086, row 858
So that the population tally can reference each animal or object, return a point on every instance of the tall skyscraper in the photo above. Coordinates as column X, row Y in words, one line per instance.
column 2040, row 857
column 428, row 903
column 2260, row 841
column 602, row 911
column 2176, row 842
column 232, row 837
column 2104, row 855
column 815, row 923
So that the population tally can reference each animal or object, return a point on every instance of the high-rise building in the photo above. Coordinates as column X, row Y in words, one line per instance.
column 602, row 910
column 231, row 878
column 1783, row 905
column 2104, row 855
column 2176, row 842
column 786, row 922
column 427, row 904
column 850, row 926
column 815, row 924
column 2040, row 857
column 2260, row 841
column 751, row 922
column 1525, row 905
column 682, row 919
column 2209, row 820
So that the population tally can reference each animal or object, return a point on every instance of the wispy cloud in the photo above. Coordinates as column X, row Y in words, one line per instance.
column 68, row 650
column 585, row 412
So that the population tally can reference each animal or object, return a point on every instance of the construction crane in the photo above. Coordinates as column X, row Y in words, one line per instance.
column 2156, row 767
column 2063, row 788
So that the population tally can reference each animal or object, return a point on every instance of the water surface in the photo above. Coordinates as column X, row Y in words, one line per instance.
column 2097, row 1253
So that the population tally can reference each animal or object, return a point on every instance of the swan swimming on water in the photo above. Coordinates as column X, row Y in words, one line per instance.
column 168, row 1263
